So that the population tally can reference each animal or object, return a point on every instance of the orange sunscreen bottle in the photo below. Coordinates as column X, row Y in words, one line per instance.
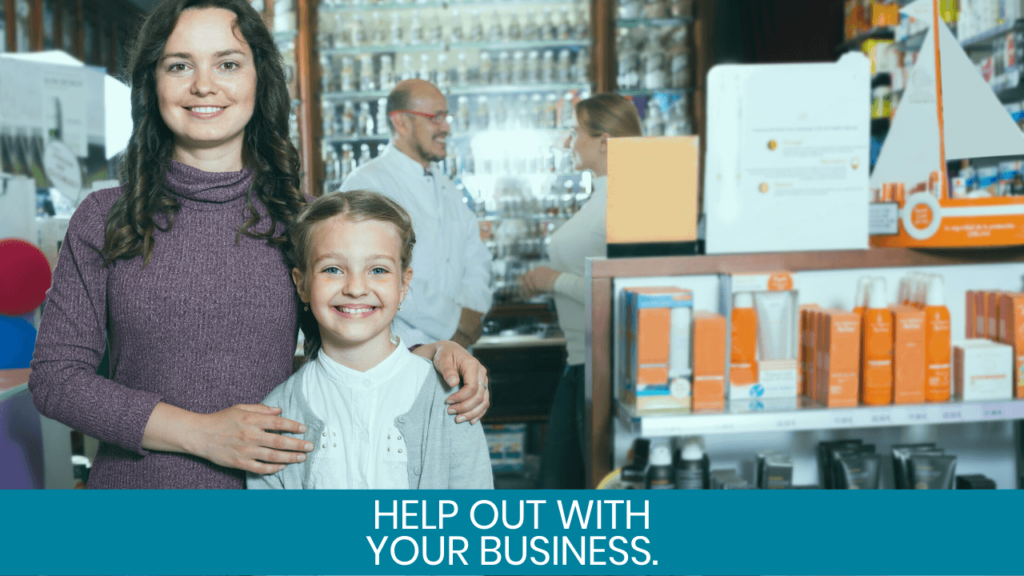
column 743, row 356
column 937, row 343
column 876, row 365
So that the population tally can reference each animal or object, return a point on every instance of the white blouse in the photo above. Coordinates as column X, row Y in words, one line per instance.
column 360, row 446
column 584, row 235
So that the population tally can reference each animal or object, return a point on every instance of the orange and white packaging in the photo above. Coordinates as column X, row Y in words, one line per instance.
column 969, row 330
column 938, row 339
column 876, row 355
column 709, row 359
column 806, row 350
column 743, row 341
column 980, row 317
column 776, row 307
column 982, row 370
column 992, row 315
column 1011, row 333
column 908, row 355
column 648, row 384
column 841, row 359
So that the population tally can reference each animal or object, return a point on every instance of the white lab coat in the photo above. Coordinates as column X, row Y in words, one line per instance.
column 451, row 265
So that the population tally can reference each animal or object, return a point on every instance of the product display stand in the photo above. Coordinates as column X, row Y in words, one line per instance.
column 828, row 279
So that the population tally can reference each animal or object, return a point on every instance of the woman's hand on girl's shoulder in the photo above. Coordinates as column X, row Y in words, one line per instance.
column 455, row 364
column 241, row 437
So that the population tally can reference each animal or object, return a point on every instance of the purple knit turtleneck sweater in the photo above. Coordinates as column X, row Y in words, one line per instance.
column 208, row 324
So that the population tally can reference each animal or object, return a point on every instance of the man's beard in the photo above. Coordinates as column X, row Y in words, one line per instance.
column 427, row 154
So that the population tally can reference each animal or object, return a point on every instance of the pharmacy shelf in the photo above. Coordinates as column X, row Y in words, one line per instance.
column 355, row 139
column 984, row 40
column 652, row 22
column 382, row 49
column 764, row 415
column 520, row 45
column 465, row 91
column 285, row 37
column 877, row 34
column 415, row 5
column 645, row 92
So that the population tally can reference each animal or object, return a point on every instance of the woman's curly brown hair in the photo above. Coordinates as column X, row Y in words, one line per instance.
column 266, row 148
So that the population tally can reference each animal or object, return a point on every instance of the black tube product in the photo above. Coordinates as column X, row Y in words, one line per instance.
column 900, row 452
column 837, row 468
column 692, row 466
column 825, row 459
column 931, row 472
column 859, row 471
column 659, row 473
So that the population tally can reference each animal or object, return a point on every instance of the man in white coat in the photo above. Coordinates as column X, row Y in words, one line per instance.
column 450, row 290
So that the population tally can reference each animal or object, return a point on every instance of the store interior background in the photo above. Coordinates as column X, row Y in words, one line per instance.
column 521, row 348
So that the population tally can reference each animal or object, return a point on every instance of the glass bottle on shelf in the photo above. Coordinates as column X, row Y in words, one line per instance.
column 327, row 74
column 364, row 154
column 450, row 160
column 504, row 75
column 518, row 67
column 443, row 74
column 563, row 30
column 407, row 70
column 581, row 70
column 486, row 68
column 523, row 112
column 331, row 168
column 378, row 33
column 628, row 77
column 382, row 117
column 549, row 160
column 347, row 74
column 358, row 31
column 381, row 148
column 653, row 124
column 500, row 121
column 654, row 65
column 495, row 33
column 533, row 67
column 365, row 120
column 547, row 67
column 367, row 79
column 387, row 73
column 568, row 111
column 530, row 29
column 483, row 114
column 537, row 111
column 583, row 24
column 547, row 26
column 436, row 35
column 462, row 114
column 468, row 163
column 425, row 72
column 564, row 65
column 346, row 162
column 515, row 30
column 462, row 71
column 476, row 28
column 396, row 30
column 348, row 119
column 458, row 34
column 327, row 112
column 416, row 29
column 551, row 112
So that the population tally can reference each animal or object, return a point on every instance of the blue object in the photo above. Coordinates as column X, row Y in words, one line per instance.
column 17, row 341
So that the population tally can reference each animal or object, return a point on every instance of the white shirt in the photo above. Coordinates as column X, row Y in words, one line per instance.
column 584, row 235
column 451, row 266
column 360, row 446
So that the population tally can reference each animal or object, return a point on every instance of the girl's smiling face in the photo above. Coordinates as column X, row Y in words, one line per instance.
column 354, row 284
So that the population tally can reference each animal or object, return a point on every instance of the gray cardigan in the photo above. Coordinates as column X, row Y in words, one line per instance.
column 442, row 454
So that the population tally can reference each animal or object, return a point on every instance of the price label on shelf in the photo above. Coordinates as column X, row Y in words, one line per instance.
column 952, row 415
column 916, row 415
column 785, row 423
column 881, row 419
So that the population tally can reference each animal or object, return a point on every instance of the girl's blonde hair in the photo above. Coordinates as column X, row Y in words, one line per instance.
column 608, row 113
column 355, row 205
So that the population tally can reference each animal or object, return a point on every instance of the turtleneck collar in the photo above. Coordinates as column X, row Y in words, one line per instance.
column 207, row 190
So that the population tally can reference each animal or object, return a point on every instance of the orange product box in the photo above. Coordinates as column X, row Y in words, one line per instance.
column 805, row 349
column 969, row 326
column 812, row 353
column 980, row 318
column 709, row 359
column 821, row 338
column 842, row 359
column 992, row 315
column 1011, row 309
column 908, row 355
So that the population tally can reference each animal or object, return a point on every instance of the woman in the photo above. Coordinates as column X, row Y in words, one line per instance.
column 180, row 271
column 598, row 118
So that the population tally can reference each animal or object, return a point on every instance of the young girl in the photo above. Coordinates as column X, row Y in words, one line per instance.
column 375, row 412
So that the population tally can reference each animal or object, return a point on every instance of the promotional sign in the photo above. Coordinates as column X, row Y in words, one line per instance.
column 948, row 115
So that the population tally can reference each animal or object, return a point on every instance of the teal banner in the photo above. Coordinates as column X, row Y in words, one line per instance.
column 511, row 532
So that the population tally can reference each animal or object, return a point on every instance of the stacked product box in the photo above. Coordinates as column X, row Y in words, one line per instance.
column 506, row 443
column 659, row 327
column 995, row 319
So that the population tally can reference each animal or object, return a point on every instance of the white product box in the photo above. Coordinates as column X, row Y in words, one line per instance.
column 777, row 305
column 788, row 155
column 982, row 370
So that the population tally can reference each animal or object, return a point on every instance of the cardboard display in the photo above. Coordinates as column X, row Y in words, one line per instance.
column 947, row 113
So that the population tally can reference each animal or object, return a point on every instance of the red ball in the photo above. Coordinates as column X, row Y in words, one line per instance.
column 24, row 277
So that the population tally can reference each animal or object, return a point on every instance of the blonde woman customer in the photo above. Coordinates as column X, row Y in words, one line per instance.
column 598, row 118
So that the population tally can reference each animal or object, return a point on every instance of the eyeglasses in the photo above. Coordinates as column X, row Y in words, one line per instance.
column 435, row 119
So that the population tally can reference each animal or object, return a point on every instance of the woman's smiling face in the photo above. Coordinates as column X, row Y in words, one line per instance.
column 354, row 282
column 206, row 82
